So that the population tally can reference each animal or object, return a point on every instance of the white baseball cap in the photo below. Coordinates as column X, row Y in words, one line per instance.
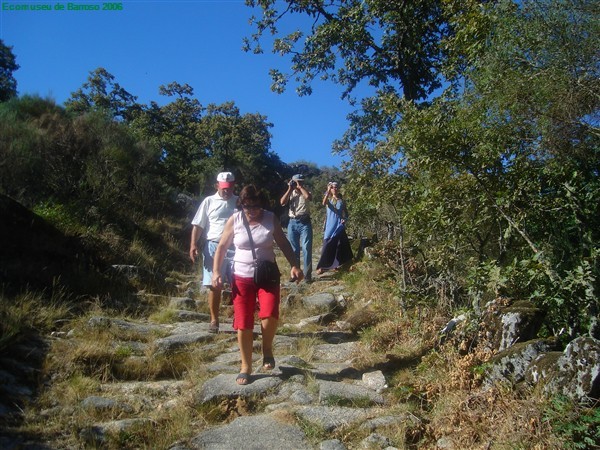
column 225, row 180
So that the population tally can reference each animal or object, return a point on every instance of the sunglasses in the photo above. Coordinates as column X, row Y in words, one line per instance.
column 251, row 207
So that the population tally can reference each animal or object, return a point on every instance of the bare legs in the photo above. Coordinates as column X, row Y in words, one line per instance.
column 268, row 327
column 246, row 343
column 214, row 302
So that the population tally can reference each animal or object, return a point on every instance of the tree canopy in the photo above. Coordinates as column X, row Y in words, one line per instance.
column 387, row 44
column 106, row 150
column 102, row 93
column 491, row 186
column 8, row 64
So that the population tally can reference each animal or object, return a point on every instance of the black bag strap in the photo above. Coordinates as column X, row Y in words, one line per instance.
column 247, row 225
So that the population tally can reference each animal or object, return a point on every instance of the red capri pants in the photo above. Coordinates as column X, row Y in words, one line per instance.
column 244, row 293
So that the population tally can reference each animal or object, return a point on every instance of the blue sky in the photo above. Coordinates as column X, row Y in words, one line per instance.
column 152, row 43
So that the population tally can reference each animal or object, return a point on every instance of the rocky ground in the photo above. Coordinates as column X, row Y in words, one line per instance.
column 163, row 381
column 277, row 409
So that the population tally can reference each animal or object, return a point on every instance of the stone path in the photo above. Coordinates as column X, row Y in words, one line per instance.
column 303, row 400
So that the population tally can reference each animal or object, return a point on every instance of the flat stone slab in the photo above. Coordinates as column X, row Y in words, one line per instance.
column 124, row 325
column 331, row 418
column 97, row 403
column 332, row 444
column 253, row 433
column 390, row 421
column 229, row 358
column 182, row 303
column 188, row 316
column 336, row 352
column 162, row 388
column 225, row 386
column 333, row 389
column 187, row 327
column 99, row 433
column 178, row 341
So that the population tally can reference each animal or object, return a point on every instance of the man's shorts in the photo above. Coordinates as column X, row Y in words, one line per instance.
column 208, row 253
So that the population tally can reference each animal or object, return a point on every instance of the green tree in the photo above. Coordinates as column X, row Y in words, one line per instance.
column 22, row 165
column 242, row 143
column 196, row 142
column 173, row 130
column 492, row 186
column 8, row 64
column 387, row 44
column 121, row 174
column 500, row 174
column 532, row 95
column 101, row 93
column 90, row 160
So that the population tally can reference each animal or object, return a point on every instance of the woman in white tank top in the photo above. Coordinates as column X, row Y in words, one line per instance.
column 266, row 230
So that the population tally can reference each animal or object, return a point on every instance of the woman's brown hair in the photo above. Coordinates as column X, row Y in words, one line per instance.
column 251, row 194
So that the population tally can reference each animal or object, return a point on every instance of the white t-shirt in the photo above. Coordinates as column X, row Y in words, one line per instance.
column 213, row 214
column 262, row 235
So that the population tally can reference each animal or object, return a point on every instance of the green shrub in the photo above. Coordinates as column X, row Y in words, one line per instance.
column 578, row 426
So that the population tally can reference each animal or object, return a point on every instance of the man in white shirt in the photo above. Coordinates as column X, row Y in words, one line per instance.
column 208, row 224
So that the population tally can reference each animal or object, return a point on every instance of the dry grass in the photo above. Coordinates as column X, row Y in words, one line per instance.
column 306, row 347
column 440, row 384
column 141, row 253
column 437, row 387
column 90, row 361
column 112, row 354
column 31, row 313
column 494, row 418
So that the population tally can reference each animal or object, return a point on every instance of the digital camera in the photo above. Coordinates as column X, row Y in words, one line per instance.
column 293, row 184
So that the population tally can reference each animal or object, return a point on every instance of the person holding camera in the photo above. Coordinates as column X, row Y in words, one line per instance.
column 336, row 250
column 299, row 230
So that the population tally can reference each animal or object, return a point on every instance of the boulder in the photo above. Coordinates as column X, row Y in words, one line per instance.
column 574, row 373
column 361, row 319
column 322, row 302
column 508, row 325
column 374, row 380
column 511, row 364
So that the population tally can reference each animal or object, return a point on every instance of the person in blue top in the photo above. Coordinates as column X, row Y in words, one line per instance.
column 336, row 250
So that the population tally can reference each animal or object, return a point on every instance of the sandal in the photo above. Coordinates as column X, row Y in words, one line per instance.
column 243, row 379
column 213, row 327
column 268, row 363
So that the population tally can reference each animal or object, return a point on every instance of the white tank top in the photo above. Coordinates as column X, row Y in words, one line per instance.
column 262, row 235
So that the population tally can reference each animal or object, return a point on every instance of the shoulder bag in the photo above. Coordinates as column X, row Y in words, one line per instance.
column 266, row 273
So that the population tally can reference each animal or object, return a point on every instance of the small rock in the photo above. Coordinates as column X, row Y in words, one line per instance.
column 332, row 444
column 374, row 380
